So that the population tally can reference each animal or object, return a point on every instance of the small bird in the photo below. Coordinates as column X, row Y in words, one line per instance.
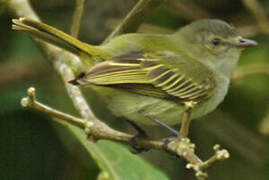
column 141, row 75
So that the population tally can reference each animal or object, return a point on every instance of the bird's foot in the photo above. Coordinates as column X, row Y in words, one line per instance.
column 167, row 140
column 141, row 134
column 135, row 148
column 179, row 142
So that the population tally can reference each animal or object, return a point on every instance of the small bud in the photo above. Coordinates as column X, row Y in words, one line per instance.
column 216, row 147
column 201, row 174
column 24, row 102
column 192, row 146
column 31, row 91
column 88, row 126
column 189, row 166
column 222, row 154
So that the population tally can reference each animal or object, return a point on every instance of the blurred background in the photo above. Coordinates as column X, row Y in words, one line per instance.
column 32, row 146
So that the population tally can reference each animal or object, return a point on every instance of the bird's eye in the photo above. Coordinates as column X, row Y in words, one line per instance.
column 216, row 42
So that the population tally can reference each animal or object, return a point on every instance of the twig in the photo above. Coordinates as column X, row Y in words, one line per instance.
column 30, row 101
column 77, row 17
column 219, row 155
column 257, row 10
column 135, row 17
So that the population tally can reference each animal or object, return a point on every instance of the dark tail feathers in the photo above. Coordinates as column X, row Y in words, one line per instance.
column 75, row 81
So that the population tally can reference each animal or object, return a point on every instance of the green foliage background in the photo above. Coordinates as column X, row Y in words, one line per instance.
column 33, row 146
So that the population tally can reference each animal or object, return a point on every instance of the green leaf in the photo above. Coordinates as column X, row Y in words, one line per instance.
column 116, row 161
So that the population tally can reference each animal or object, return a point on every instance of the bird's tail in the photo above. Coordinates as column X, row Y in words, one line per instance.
column 56, row 37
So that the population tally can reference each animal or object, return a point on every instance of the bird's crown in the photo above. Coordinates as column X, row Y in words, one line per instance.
column 214, row 26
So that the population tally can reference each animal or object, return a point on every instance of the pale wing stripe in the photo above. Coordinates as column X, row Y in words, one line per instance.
column 117, row 81
column 188, row 90
column 202, row 93
column 153, row 67
column 164, row 78
column 167, row 81
column 124, row 64
column 161, row 75
column 173, row 84
column 121, row 76
column 196, row 97
column 198, row 92
column 181, row 84
column 193, row 94
column 201, row 90
column 183, row 88
column 127, row 72
column 146, row 59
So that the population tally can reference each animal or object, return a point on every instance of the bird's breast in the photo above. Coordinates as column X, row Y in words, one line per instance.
column 221, row 89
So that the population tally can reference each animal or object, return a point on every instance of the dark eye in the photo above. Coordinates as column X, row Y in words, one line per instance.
column 216, row 42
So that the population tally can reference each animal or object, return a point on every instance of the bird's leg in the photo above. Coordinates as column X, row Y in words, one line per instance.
column 140, row 134
column 182, row 136
column 185, row 124
column 172, row 130
column 161, row 123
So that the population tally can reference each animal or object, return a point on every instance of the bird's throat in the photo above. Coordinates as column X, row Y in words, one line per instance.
column 227, row 64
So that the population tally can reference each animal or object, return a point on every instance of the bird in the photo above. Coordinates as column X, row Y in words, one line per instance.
column 139, row 75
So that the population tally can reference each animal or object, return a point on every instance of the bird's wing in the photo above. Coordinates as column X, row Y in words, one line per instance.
column 164, row 74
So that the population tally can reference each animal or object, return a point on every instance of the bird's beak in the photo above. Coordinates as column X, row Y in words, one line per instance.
column 244, row 43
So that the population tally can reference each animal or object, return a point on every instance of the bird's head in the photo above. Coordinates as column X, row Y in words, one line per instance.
column 213, row 41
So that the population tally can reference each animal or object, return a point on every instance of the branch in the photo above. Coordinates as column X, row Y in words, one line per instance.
column 135, row 17
column 180, row 147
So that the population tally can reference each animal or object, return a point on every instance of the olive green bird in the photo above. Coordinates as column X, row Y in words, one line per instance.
column 140, row 75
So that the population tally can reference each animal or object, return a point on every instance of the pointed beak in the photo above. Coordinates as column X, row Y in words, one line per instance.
column 244, row 43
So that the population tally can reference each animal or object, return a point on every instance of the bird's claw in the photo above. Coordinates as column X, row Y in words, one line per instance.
column 133, row 142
